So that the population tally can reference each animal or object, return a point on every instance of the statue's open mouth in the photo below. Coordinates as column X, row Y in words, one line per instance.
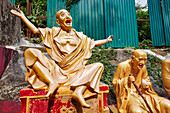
column 141, row 65
column 68, row 21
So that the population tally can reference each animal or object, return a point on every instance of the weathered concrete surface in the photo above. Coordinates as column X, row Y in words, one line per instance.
column 13, row 78
column 10, row 32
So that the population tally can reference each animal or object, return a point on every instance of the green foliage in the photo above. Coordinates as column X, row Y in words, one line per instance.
column 104, row 56
column 145, row 44
column 167, row 49
column 69, row 3
column 154, row 69
column 38, row 9
column 143, row 27
column 35, row 40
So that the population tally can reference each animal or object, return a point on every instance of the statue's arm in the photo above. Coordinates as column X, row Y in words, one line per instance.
column 119, row 81
column 145, row 83
column 21, row 15
column 101, row 42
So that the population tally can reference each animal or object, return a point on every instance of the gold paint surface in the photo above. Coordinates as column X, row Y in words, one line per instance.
column 166, row 75
column 69, row 51
column 128, row 99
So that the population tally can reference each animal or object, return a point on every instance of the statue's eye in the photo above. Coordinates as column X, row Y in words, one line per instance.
column 62, row 14
column 69, row 14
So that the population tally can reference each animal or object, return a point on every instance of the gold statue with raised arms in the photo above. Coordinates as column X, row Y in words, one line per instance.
column 70, row 51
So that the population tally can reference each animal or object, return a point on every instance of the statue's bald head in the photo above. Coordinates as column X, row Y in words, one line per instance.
column 64, row 20
column 138, row 59
column 138, row 52
column 59, row 12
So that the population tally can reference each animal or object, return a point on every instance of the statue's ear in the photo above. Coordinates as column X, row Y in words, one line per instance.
column 58, row 22
column 132, row 57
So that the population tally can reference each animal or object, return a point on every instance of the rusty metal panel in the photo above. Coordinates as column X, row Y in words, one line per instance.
column 100, row 18
column 166, row 20
column 156, row 23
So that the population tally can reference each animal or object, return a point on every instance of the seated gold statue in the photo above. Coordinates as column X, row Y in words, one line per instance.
column 128, row 99
column 166, row 75
column 70, row 51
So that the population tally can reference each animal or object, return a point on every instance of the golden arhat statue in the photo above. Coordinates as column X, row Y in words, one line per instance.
column 70, row 51
column 130, row 98
column 166, row 75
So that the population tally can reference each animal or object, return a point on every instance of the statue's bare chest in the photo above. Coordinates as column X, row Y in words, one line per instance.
column 67, row 42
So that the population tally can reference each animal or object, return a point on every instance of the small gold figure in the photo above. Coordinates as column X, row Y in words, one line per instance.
column 166, row 75
column 70, row 51
column 128, row 99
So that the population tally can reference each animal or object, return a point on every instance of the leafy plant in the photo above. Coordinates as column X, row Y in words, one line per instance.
column 154, row 69
column 38, row 9
column 104, row 56
column 145, row 44
column 69, row 3
column 167, row 49
column 144, row 32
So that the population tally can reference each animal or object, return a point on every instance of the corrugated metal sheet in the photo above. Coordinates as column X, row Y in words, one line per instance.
column 156, row 22
column 87, row 16
column 120, row 20
column 100, row 18
column 12, row 1
column 166, row 19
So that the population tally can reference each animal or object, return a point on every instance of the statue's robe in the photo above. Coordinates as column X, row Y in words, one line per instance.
column 69, row 53
column 128, row 99
column 166, row 75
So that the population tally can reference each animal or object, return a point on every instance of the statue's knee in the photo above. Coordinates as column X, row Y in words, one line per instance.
column 30, row 56
column 165, row 104
column 100, row 65
column 135, row 109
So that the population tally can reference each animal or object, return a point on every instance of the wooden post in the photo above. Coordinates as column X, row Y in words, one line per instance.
column 29, row 13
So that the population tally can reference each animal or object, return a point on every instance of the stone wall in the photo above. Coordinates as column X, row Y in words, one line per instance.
column 10, row 30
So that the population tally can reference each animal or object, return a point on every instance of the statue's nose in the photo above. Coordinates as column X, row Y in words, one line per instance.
column 142, row 61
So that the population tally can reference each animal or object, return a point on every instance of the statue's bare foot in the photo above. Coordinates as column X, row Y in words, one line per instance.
column 51, row 89
column 79, row 97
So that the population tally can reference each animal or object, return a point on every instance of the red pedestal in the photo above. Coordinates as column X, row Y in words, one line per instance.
column 35, row 102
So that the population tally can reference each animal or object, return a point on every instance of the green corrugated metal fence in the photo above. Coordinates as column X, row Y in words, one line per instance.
column 120, row 20
column 166, row 19
column 12, row 1
column 100, row 18
column 159, row 15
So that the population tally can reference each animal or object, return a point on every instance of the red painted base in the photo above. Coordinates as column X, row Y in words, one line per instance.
column 62, row 102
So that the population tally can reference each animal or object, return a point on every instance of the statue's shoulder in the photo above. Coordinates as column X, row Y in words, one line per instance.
column 55, row 30
column 166, row 61
column 80, row 34
column 125, row 63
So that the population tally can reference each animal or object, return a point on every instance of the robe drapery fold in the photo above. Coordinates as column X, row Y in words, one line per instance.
column 166, row 75
column 127, row 95
column 66, row 68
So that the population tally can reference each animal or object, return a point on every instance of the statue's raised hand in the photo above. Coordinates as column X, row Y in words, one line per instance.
column 110, row 38
column 18, row 13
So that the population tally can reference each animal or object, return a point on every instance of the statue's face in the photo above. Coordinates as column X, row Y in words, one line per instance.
column 64, row 19
column 139, row 60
